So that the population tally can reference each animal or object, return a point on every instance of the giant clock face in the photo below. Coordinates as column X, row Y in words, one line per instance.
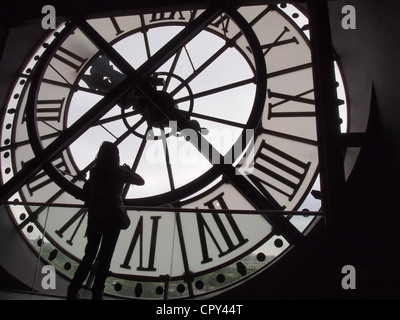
column 213, row 108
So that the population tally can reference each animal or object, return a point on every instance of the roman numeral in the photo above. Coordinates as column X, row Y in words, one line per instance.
column 222, row 22
column 162, row 16
column 138, row 236
column 70, row 59
column 277, row 170
column 278, row 42
column 203, row 227
column 79, row 215
column 116, row 26
column 285, row 98
column 41, row 180
column 48, row 110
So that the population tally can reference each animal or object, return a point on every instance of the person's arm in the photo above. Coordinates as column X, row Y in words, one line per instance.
column 131, row 177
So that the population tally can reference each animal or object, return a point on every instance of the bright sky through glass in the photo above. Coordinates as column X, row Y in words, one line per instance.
column 283, row 158
column 222, row 105
column 133, row 49
column 186, row 162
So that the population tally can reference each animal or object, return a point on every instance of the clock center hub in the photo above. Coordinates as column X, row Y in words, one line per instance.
column 155, row 116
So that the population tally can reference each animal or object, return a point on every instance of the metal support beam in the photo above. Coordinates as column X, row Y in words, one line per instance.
column 328, row 122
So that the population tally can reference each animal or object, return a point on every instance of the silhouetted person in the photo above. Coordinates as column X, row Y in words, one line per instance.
column 105, row 217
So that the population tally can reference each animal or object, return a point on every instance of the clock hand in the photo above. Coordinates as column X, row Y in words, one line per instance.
column 80, row 176
column 15, row 145
column 215, row 119
column 207, row 63
column 205, row 93
column 259, row 201
column 135, row 164
column 162, row 55
column 116, row 118
column 190, row 59
column 44, row 156
column 145, row 35
column 171, row 70
column 68, row 85
column 63, row 140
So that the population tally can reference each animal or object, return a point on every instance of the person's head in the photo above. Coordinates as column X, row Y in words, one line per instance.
column 108, row 155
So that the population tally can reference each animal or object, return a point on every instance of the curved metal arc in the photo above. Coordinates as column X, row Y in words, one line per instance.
column 44, row 156
column 32, row 167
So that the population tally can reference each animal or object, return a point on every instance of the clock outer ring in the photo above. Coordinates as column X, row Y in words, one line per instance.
column 181, row 192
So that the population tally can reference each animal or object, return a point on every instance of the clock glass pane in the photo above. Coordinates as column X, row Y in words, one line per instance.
column 203, row 220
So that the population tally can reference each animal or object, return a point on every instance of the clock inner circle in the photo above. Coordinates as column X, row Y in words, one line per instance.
column 138, row 105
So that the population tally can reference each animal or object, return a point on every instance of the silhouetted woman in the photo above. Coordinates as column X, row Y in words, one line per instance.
column 106, row 217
